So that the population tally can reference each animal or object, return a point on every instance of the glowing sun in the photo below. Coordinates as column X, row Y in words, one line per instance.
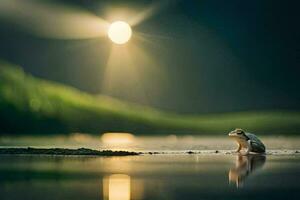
column 119, row 32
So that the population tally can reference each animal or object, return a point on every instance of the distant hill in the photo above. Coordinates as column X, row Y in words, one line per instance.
column 35, row 106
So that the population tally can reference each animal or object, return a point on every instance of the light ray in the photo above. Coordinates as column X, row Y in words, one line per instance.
column 51, row 20
column 150, row 11
column 128, row 69
column 154, row 36
column 121, row 76
column 153, row 40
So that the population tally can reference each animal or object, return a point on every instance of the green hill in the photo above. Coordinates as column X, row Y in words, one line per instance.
column 35, row 106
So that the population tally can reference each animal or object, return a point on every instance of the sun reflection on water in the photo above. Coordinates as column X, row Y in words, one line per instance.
column 122, row 187
column 116, row 187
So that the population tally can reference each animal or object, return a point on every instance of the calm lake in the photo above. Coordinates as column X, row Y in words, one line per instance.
column 171, row 174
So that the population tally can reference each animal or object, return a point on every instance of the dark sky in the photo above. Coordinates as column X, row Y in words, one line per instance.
column 212, row 55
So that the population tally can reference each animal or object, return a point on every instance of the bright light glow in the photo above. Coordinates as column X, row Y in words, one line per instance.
column 117, row 138
column 51, row 19
column 117, row 187
column 119, row 32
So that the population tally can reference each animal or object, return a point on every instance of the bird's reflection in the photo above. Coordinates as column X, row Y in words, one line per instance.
column 244, row 167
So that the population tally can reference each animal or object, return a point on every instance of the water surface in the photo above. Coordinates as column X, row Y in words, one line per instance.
column 171, row 175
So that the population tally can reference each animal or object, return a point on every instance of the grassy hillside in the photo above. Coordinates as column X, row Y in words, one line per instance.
column 35, row 106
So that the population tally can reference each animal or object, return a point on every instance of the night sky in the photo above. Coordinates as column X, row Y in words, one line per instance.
column 209, row 55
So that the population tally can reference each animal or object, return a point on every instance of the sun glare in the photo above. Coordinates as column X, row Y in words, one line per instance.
column 119, row 32
column 117, row 138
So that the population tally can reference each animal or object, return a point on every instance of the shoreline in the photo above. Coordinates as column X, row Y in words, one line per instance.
column 92, row 152
column 64, row 152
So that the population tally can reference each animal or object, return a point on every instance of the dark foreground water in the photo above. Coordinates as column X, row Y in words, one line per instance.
column 167, row 176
